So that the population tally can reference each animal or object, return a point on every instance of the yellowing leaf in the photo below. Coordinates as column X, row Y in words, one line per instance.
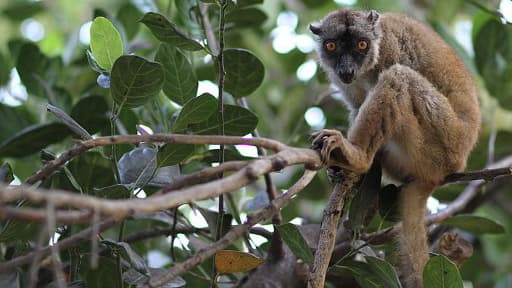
column 227, row 261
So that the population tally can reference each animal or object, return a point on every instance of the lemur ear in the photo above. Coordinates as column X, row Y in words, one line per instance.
column 315, row 29
column 373, row 16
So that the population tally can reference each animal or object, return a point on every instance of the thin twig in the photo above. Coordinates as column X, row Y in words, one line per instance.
column 486, row 174
column 203, row 176
column 71, row 241
column 496, row 13
column 235, row 233
column 173, row 232
column 56, row 262
column 276, row 250
column 94, row 239
column 156, row 232
column 332, row 214
column 38, row 256
column 208, row 30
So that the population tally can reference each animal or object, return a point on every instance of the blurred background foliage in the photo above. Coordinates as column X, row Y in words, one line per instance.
column 50, row 39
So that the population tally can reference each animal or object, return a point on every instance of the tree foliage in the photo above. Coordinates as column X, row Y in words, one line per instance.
column 105, row 68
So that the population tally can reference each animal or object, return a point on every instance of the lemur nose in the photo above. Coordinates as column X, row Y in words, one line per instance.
column 347, row 77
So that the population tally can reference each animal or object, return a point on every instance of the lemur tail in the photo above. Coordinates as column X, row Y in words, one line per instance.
column 413, row 238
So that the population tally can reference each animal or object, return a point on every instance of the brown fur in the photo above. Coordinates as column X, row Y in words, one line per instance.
column 413, row 100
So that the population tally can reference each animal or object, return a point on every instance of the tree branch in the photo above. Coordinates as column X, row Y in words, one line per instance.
column 456, row 206
column 124, row 208
column 72, row 241
column 158, row 138
column 332, row 214
column 233, row 234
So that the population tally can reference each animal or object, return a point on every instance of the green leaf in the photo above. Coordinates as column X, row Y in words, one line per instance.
column 135, row 80
column 5, row 69
column 106, row 43
column 180, row 84
column 32, row 139
column 243, row 3
column 212, row 156
column 12, row 120
column 32, row 64
column 18, row 231
column 20, row 10
column 129, row 119
column 479, row 20
column 238, row 121
column 117, row 191
column 374, row 273
column 493, row 58
column 128, row 16
column 475, row 224
column 366, row 197
column 293, row 238
column 6, row 174
column 441, row 272
column 212, row 217
column 91, row 113
column 182, row 16
column 194, row 111
column 91, row 170
column 246, row 18
column 172, row 154
column 100, row 276
column 166, row 31
column 388, row 203
column 244, row 72
column 445, row 11
column 383, row 270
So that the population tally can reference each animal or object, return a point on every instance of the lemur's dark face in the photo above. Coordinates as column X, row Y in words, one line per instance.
column 347, row 42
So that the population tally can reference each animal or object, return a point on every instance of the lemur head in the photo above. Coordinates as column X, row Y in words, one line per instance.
column 348, row 43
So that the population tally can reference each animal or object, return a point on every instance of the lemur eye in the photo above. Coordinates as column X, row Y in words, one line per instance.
column 362, row 45
column 330, row 46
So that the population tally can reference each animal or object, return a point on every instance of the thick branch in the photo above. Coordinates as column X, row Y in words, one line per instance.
column 332, row 214
column 159, row 138
column 124, row 208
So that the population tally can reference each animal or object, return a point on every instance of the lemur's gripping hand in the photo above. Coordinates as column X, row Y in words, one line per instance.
column 326, row 141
